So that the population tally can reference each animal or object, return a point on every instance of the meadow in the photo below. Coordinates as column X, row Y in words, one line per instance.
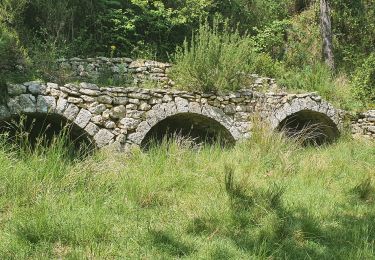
column 265, row 198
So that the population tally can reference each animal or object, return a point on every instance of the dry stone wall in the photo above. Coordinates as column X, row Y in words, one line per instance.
column 137, row 72
column 125, row 115
column 132, row 72
column 364, row 125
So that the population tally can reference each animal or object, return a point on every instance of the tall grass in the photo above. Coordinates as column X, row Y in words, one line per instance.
column 215, row 59
column 267, row 197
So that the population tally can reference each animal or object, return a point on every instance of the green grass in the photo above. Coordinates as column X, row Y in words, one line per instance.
column 264, row 198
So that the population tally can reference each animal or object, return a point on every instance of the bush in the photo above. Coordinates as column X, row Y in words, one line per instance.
column 364, row 80
column 11, row 52
column 215, row 59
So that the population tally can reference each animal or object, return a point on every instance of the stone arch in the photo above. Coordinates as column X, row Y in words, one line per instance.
column 39, row 117
column 185, row 116
column 316, row 122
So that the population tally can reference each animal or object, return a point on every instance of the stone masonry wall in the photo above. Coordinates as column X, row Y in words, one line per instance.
column 137, row 72
column 364, row 125
column 125, row 115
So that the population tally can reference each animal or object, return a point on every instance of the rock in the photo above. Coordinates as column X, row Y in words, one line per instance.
column 24, row 103
column 110, row 125
column 144, row 106
column 97, row 108
column 182, row 105
column 134, row 101
column 46, row 104
column 371, row 129
column 16, row 89
column 89, row 92
column 92, row 129
column 71, row 112
column 129, row 123
column 37, row 89
column 120, row 100
column 61, row 105
column 103, row 137
column 136, row 95
column 118, row 112
column 85, row 85
column 83, row 118
column 75, row 100
column 131, row 106
column 104, row 99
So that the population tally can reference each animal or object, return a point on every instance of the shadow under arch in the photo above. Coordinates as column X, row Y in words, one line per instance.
column 42, row 129
column 196, row 127
column 312, row 127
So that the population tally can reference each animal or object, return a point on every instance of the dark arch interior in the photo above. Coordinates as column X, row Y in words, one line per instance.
column 313, row 128
column 198, row 128
column 42, row 129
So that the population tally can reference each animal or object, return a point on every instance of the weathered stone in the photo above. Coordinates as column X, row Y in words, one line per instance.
column 194, row 107
column 98, row 119
column 83, row 118
column 75, row 100
column 230, row 109
column 96, row 108
column 85, row 85
column 103, row 137
column 92, row 129
column 89, row 92
column 134, row 101
column 46, row 104
column 24, row 103
column 71, row 112
column 182, row 105
column 129, row 123
column 167, row 98
column 16, row 89
column 136, row 95
column 37, row 89
column 110, row 125
column 131, row 106
column 118, row 112
column 120, row 100
column 104, row 99
column 144, row 106
column 61, row 105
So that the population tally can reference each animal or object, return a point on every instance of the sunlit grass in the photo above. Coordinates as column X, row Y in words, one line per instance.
column 265, row 197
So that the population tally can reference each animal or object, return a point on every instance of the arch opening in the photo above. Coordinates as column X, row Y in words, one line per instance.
column 195, row 127
column 311, row 127
column 37, row 129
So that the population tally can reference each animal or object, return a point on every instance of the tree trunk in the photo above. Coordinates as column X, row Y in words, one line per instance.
column 326, row 30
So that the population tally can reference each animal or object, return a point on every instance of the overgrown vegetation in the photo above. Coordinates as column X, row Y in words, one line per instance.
column 266, row 197
column 282, row 37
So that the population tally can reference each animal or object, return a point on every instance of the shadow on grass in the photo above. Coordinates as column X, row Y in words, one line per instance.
column 170, row 244
column 261, row 225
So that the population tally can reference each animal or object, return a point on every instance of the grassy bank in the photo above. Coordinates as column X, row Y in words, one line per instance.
column 266, row 197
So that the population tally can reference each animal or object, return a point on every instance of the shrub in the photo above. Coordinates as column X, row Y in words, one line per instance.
column 11, row 52
column 364, row 80
column 215, row 59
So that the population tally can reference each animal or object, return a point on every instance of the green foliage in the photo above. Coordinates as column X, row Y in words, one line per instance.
column 216, row 59
column 271, row 39
column 364, row 80
column 11, row 51
column 274, row 199
column 354, row 31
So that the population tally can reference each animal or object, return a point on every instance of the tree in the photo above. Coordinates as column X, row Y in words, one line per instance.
column 326, row 30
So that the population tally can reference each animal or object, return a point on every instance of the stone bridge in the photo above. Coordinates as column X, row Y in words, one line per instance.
column 134, row 116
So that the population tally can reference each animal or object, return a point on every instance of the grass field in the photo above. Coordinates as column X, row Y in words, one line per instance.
column 264, row 198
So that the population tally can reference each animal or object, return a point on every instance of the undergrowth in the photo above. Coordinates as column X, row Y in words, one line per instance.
column 267, row 197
